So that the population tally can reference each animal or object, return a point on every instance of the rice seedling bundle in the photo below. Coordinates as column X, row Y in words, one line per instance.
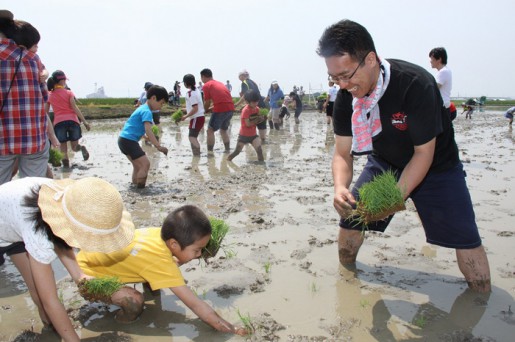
column 155, row 130
column 219, row 230
column 379, row 199
column 177, row 116
column 55, row 157
column 99, row 289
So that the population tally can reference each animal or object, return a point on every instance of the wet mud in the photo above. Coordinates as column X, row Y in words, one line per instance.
column 278, row 264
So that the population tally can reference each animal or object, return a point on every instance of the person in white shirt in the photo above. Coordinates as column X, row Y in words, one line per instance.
column 329, row 102
column 438, row 60
column 194, row 111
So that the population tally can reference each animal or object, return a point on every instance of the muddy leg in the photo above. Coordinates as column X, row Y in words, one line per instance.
column 237, row 150
column 130, row 302
column 349, row 242
column 473, row 263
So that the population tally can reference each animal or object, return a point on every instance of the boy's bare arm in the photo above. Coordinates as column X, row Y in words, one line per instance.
column 205, row 312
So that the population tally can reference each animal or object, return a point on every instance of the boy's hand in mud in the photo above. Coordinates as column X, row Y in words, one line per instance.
column 163, row 150
column 241, row 331
column 343, row 202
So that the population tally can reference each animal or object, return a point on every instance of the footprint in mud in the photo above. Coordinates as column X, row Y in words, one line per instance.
column 505, row 234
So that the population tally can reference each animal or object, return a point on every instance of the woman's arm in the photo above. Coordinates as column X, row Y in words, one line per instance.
column 45, row 285
column 67, row 257
column 79, row 113
column 205, row 312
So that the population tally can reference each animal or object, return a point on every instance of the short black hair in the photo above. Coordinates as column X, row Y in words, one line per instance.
column 158, row 91
column 346, row 37
column 189, row 81
column 26, row 34
column 8, row 27
column 186, row 225
column 439, row 53
column 206, row 73
column 251, row 96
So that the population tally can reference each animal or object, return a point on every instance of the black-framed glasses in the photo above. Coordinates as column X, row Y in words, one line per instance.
column 337, row 79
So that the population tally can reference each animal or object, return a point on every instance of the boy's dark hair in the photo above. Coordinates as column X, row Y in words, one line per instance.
column 30, row 201
column 157, row 91
column 206, row 73
column 186, row 225
column 26, row 35
column 251, row 96
column 293, row 94
column 346, row 37
column 189, row 81
column 439, row 53
column 8, row 27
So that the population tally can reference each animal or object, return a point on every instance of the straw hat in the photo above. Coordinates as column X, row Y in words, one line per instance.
column 87, row 214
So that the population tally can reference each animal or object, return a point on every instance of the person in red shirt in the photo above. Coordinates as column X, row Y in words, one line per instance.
column 250, row 117
column 217, row 100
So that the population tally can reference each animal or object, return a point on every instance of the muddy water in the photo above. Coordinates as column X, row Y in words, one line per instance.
column 281, row 266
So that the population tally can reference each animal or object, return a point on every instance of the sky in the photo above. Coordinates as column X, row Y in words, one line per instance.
column 121, row 44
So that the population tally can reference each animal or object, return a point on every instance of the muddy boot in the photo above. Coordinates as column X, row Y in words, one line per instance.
column 271, row 124
column 277, row 126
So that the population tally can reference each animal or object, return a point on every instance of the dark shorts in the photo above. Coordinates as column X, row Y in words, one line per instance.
column 298, row 111
column 14, row 248
column 156, row 117
column 130, row 148
column 443, row 204
column 261, row 125
column 329, row 109
column 196, row 125
column 245, row 139
column 68, row 131
column 220, row 121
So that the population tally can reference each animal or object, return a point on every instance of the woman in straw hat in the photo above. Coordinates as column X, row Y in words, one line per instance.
column 42, row 219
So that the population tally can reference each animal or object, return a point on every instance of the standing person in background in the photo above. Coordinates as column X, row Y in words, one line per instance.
column 217, row 100
column 399, row 121
column 329, row 101
column 301, row 93
column 139, row 124
column 509, row 115
column 143, row 97
column 438, row 60
column 275, row 95
column 228, row 85
column 247, row 84
column 177, row 91
column 67, row 117
column 297, row 104
column 195, row 111
column 23, row 129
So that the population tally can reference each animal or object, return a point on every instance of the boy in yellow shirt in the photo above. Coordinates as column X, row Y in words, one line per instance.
column 154, row 257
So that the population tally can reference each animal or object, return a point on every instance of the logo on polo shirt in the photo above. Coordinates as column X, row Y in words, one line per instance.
column 399, row 121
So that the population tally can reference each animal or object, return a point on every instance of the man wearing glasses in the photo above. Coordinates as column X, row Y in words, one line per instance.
column 398, row 120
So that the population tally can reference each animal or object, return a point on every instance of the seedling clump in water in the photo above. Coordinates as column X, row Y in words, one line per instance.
column 55, row 157
column 99, row 289
column 379, row 199
column 219, row 230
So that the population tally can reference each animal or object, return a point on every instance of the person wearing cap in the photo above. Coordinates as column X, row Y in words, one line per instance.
column 217, row 100
column 247, row 84
column 154, row 257
column 43, row 219
column 156, row 114
column 67, row 116
column 24, row 130
column 143, row 97
column 274, row 97
column 139, row 124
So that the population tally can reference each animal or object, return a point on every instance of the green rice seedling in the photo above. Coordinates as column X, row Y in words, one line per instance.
column 268, row 267
column 314, row 287
column 419, row 321
column 247, row 322
column 99, row 289
column 55, row 157
column 177, row 116
column 364, row 303
column 155, row 130
column 379, row 199
column 219, row 230
column 263, row 111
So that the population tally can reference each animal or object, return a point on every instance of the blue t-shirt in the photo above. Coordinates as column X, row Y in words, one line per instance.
column 274, row 97
column 134, row 128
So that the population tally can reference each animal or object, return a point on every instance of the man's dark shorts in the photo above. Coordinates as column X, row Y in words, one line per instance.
column 14, row 248
column 246, row 139
column 220, row 121
column 442, row 201
column 67, row 131
column 130, row 148
column 329, row 109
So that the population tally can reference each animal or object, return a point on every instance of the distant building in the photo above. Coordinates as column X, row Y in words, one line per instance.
column 98, row 94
